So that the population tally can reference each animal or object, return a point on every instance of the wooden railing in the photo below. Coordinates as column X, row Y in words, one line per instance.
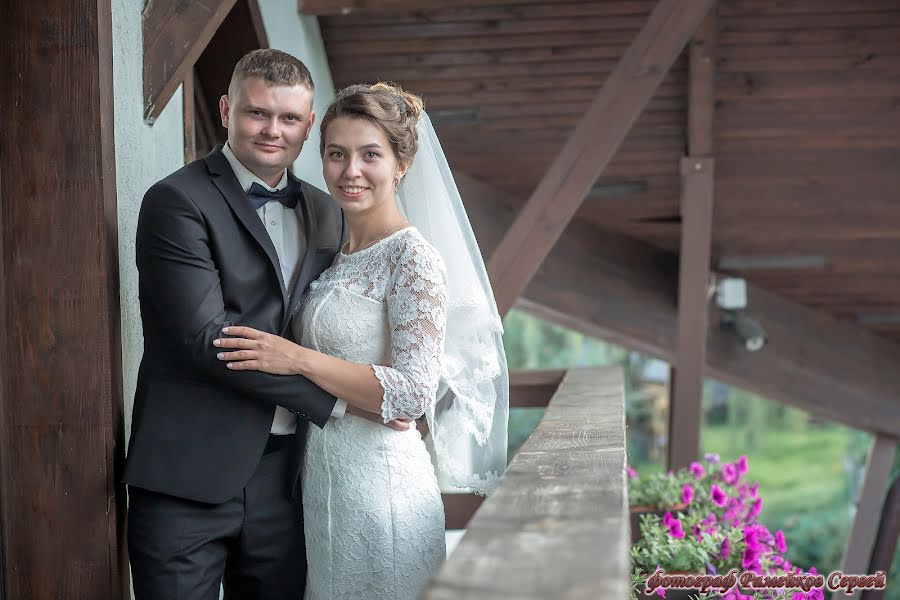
column 558, row 525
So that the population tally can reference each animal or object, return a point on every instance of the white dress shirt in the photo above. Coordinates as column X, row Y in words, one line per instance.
column 283, row 226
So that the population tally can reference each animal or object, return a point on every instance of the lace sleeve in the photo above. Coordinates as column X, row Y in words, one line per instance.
column 417, row 314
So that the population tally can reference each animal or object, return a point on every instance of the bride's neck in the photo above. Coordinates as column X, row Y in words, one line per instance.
column 367, row 228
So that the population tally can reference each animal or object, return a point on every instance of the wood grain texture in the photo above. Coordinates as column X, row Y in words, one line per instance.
column 61, row 426
column 175, row 34
column 805, row 120
column 625, row 291
column 558, row 525
column 591, row 146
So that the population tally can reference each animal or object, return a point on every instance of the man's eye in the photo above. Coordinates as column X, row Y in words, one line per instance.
column 337, row 154
column 291, row 118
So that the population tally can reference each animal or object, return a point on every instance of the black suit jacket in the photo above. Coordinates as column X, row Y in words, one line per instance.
column 205, row 261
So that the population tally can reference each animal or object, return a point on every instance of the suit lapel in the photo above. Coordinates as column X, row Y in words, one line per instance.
column 226, row 181
column 307, row 217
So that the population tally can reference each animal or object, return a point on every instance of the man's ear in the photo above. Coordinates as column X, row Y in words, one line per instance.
column 312, row 121
column 224, row 109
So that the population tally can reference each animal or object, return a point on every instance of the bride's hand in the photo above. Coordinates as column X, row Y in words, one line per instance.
column 254, row 350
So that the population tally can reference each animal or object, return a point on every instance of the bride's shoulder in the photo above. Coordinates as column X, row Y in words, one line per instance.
column 412, row 250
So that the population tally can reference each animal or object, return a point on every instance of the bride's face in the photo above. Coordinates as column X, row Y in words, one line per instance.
column 359, row 165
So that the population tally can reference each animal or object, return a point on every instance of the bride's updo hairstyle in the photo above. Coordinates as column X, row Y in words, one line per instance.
column 388, row 107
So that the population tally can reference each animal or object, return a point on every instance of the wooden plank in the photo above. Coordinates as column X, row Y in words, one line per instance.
column 345, row 7
column 685, row 410
column 874, row 487
column 591, row 147
column 537, row 535
column 190, row 118
column 624, row 291
column 459, row 509
column 533, row 388
column 61, row 431
column 175, row 34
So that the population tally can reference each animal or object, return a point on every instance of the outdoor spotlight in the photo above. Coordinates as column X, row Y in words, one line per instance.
column 731, row 298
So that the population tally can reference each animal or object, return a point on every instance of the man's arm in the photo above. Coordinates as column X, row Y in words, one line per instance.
column 181, row 282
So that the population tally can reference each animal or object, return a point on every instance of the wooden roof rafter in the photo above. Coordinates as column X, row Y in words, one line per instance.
column 592, row 145
column 172, row 44
column 623, row 290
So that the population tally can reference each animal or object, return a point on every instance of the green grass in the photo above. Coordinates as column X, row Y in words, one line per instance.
column 800, row 470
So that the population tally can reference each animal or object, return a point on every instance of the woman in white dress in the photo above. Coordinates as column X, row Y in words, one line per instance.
column 402, row 325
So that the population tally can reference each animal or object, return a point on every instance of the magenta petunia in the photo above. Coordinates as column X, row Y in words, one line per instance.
column 729, row 474
column 675, row 529
column 779, row 541
column 755, row 508
column 697, row 470
column 742, row 465
column 754, row 489
column 631, row 472
column 710, row 520
column 687, row 493
column 725, row 549
column 718, row 497
column 667, row 519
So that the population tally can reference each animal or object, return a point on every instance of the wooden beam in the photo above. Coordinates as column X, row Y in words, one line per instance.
column 702, row 86
column 591, row 146
column 175, row 34
column 530, row 388
column 697, row 178
column 61, row 423
column 625, row 291
column 876, row 480
column 886, row 542
column 190, row 118
column 685, row 408
column 323, row 8
column 459, row 509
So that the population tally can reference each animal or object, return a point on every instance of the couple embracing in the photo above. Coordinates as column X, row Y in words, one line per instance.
column 291, row 338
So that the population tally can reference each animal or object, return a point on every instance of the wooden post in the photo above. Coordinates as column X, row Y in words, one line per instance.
column 697, row 170
column 61, row 425
column 687, row 382
column 868, row 507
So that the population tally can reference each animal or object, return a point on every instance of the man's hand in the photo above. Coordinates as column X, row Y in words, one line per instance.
column 397, row 424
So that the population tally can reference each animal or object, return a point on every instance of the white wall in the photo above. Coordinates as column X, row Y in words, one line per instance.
column 144, row 155
column 299, row 35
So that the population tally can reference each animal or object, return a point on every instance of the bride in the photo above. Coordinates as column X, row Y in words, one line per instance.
column 403, row 324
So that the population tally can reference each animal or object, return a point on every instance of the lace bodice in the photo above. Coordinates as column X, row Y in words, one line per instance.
column 373, row 516
column 384, row 305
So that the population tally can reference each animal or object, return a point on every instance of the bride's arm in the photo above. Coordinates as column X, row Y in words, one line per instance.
column 417, row 316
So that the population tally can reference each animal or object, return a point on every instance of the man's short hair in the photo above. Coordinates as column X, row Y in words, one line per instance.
column 272, row 66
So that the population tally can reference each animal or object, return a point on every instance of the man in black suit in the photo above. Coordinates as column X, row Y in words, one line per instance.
column 214, row 456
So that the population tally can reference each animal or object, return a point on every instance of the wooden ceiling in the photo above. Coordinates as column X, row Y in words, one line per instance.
column 806, row 124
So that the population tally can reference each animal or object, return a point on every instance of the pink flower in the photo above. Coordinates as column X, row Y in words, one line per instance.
column 729, row 474
column 697, row 470
column 710, row 520
column 661, row 591
column 667, row 519
column 675, row 529
column 755, row 508
column 754, row 489
column 718, row 497
column 687, row 493
column 711, row 458
column 779, row 541
column 725, row 549
column 742, row 465
column 631, row 472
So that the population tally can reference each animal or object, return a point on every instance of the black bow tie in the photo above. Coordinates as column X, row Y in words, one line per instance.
column 259, row 195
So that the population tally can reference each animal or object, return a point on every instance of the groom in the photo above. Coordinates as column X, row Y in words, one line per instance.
column 214, row 456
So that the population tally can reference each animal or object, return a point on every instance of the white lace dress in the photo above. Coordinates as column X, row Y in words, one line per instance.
column 373, row 515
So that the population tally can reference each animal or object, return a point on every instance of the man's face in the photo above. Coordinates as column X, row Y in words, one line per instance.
column 267, row 125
